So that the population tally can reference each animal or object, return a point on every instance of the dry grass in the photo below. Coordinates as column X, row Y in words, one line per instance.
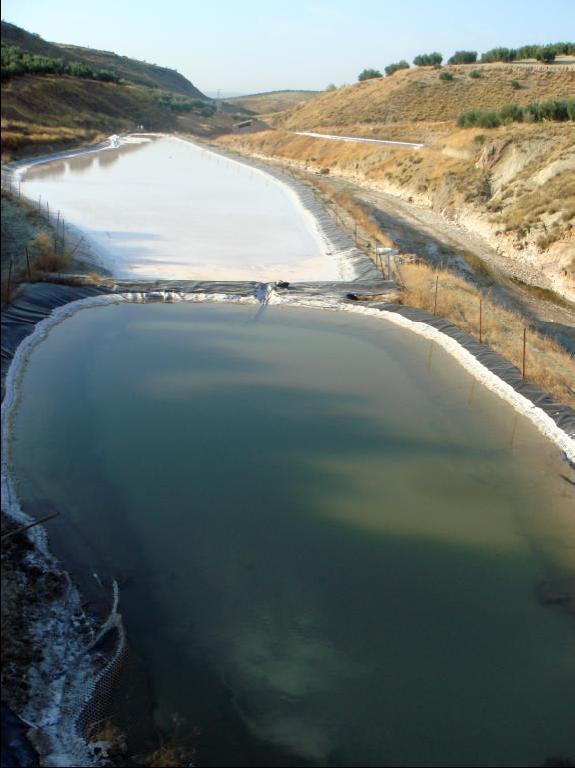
column 46, row 255
column 42, row 113
column 354, row 216
column 549, row 206
column 419, row 94
column 20, row 138
column 547, row 363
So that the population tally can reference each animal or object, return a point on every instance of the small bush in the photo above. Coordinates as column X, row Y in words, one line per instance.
column 44, row 255
column 516, row 85
column 428, row 59
column 105, row 76
column 475, row 74
column 499, row 54
column 558, row 110
column 369, row 74
column 392, row 68
column 546, row 54
column 463, row 57
column 476, row 118
column 447, row 76
column 479, row 138
column 512, row 113
column 489, row 120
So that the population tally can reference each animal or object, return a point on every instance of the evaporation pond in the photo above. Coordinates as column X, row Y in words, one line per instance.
column 167, row 208
column 329, row 539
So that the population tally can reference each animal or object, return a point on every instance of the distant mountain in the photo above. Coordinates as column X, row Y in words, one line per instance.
column 132, row 70
column 223, row 94
column 271, row 101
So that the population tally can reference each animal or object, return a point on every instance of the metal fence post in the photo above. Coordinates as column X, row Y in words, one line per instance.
column 524, row 343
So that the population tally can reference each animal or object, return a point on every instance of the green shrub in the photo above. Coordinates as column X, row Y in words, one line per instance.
column 546, row 54
column 489, row 120
column 558, row 110
column 512, row 113
column 479, row 138
column 476, row 74
column 369, row 74
column 77, row 69
column 463, row 57
column 476, row 118
column 428, row 60
column 105, row 76
column 526, row 52
column 181, row 104
column 540, row 52
column 446, row 76
column 392, row 68
column 516, row 85
column 16, row 62
column 499, row 54
column 564, row 49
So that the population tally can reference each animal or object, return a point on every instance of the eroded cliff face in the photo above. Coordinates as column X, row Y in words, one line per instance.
column 514, row 186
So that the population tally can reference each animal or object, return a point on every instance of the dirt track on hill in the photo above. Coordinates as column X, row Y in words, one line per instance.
column 428, row 235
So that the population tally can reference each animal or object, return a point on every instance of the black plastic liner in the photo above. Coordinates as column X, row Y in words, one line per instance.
column 561, row 414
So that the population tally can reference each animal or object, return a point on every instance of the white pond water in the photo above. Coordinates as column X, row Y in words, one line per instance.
column 162, row 207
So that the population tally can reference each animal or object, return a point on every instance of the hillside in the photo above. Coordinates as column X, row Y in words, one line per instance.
column 56, row 108
column 420, row 95
column 514, row 185
column 132, row 70
column 271, row 101
column 48, row 113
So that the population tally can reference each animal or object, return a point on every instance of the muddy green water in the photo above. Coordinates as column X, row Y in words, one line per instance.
column 328, row 537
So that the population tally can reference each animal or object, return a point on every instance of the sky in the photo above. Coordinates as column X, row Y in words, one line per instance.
column 249, row 47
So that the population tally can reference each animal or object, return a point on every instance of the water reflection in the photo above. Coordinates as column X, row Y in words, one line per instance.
column 213, row 218
column 47, row 171
column 331, row 548
column 108, row 158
